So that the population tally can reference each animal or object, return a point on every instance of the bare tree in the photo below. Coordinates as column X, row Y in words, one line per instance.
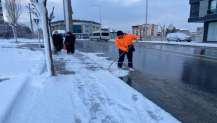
column 30, row 17
column 36, row 16
column 13, row 12
column 42, row 7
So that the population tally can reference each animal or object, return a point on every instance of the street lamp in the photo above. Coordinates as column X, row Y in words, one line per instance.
column 100, row 17
column 100, row 12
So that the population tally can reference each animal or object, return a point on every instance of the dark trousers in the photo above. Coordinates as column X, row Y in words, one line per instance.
column 70, row 48
column 129, row 57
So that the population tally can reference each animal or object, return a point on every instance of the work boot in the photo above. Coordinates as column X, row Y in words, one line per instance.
column 131, row 69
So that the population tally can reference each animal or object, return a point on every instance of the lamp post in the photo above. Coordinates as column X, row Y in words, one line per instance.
column 100, row 17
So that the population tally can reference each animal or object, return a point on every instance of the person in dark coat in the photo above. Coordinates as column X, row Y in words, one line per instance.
column 70, row 42
column 57, row 41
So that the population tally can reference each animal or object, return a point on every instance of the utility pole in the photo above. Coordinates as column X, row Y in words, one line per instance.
column 68, row 15
column 100, row 18
column 100, row 15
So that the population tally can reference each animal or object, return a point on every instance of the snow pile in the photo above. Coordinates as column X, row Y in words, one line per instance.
column 209, row 45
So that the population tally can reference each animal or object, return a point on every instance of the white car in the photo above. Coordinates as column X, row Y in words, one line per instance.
column 100, row 35
column 178, row 36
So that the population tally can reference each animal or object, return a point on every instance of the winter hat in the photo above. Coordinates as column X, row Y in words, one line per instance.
column 119, row 33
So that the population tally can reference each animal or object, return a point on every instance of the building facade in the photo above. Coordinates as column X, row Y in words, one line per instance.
column 1, row 13
column 81, row 28
column 205, row 11
column 145, row 30
column 4, row 27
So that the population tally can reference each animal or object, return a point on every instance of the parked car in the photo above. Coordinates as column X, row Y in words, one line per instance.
column 178, row 37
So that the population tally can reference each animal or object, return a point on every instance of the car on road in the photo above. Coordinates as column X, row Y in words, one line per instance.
column 100, row 35
column 178, row 37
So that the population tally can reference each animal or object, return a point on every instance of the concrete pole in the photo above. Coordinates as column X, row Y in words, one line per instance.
column 68, row 15
column 146, row 17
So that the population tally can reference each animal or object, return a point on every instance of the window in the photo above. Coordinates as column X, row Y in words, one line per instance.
column 213, row 6
column 96, row 34
column 195, row 10
column 77, row 29
column 105, row 34
column 212, row 32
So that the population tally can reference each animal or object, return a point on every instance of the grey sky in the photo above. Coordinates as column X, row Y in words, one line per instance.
column 122, row 14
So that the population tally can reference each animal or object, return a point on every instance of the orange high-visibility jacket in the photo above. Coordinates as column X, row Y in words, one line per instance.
column 127, row 40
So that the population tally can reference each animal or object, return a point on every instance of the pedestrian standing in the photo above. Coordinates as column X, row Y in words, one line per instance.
column 70, row 42
column 57, row 41
column 124, row 43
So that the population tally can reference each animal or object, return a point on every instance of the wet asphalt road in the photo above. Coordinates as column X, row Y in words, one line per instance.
column 181, row 80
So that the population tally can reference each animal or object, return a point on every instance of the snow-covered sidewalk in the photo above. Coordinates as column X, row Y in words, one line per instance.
column 84, row 92
column 18, row 64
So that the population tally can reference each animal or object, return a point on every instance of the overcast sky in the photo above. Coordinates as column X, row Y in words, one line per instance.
column 122, row 14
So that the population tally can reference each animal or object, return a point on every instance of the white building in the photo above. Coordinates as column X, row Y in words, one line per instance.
column 81, row 28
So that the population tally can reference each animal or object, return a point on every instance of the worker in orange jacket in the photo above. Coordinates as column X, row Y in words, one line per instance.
column 124, row 43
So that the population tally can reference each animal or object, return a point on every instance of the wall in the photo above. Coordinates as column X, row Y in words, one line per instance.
column 1, row 13
column 212, row 31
